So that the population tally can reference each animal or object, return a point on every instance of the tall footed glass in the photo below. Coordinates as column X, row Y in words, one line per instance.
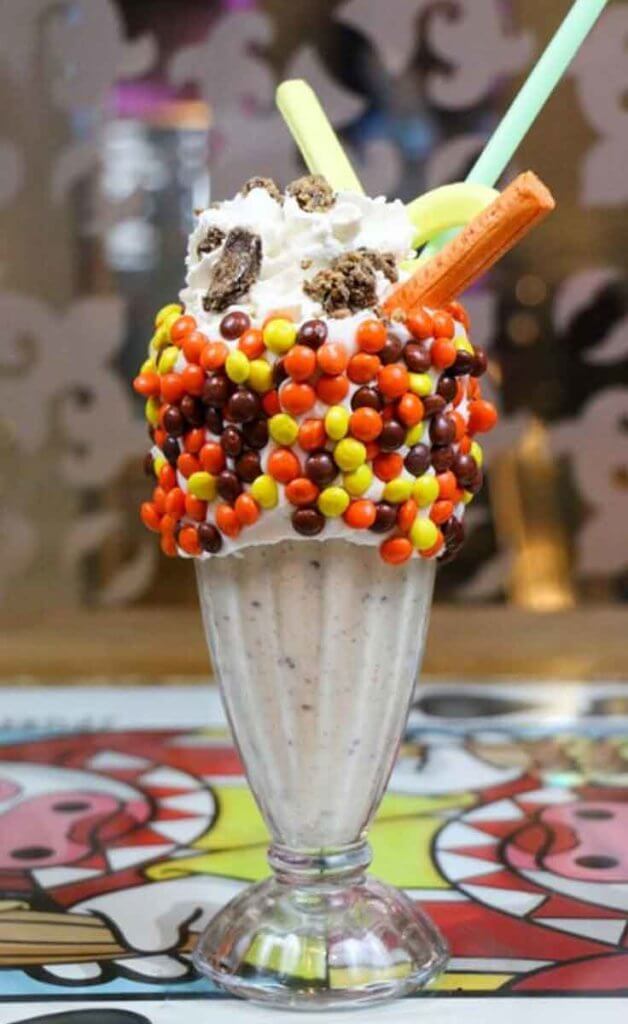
column 317, row 647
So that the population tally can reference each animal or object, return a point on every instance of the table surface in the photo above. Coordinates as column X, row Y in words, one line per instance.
column 507, row 816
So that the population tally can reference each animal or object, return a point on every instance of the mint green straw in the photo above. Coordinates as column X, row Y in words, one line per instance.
column 531, row 99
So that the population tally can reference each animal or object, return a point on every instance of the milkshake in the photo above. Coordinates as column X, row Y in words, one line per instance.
column 314, row 452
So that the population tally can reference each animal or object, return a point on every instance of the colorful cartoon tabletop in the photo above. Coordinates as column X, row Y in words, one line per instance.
column 124, row 821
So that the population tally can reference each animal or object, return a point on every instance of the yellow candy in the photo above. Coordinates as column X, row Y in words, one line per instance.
column 169, row 321
column 337, row 422
column 173, row 308
column 333, row 501
column 349, row 454
column 260, row 375
column 265, row 491
column 421, row 384
column 425, row 490
column 148, row 366
column 415, row 434
column 467, row 497
column 283, row 429
column 462, row 342
column 167, row 359
column 151, row 411
column 159, row 339
column 279, row 335
column 237, row 366
column 158, row 465
column 359, row 481
column 477, row 452
column 424, row 534
column 203, row 485
column 398, row 490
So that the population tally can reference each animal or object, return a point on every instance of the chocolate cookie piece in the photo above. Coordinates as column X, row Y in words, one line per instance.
column 384, row 261
column 350, row 282
column 235, row 271
column 313, row 193
column 266, row 183
column 213, row 239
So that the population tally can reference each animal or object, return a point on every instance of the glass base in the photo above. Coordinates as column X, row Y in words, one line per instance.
column 319, row 946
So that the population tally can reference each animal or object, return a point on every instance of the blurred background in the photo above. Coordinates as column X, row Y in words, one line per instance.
column 119, row 117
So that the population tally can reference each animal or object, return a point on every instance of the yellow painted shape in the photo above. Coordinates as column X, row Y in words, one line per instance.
column 303, row 958
column 453, row 982
column 343, row 977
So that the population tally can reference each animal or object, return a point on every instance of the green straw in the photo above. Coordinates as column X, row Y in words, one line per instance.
column 531, row 99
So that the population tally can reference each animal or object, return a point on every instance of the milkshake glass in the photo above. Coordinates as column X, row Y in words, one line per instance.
column 317, row 648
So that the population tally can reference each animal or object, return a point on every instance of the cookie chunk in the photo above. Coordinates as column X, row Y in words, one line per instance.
column 213, row 239
column 351, row 280
column 313, row 193
column 236, row 269
column 266, row 183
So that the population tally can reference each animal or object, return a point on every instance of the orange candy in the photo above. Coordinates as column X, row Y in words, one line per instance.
column 167, row 524
column 193, row 345
column 465, row 444
column 473, row 390
column 332, row 358
column 212, row 457
column 214, row 355
column 159, row 500
column 332, row 390
column 172, row 389
column 459, row 313
column 363, row 367
column 360, row 514
column 175, row 503
column 396, row 550
column 371, row 335
column 296, row 398
column 372, row 449
column 193, row 379
column 168, row 545
column 188, row 540
column 167, row 477
column 443, row 353
column 150, row 516
column 410, row 409
column 148, row 384
column 365, row 423
column 195, row 508
column 461, row 425
column 482, row 416
column 181, row 327
column 246, row 509
column 406, row 515
column 301, row 491
column 441, row 511
column 420, row 325
column 159, row 436
column 251, row 343
column 300, row 362
column 448, row 487
column 227, row 521
column 283, row 465
column 435, row 548
column 188, row 464
column 460, row 393
column 194, row 440
column 270, row 403
column 387, row 465
column 393, row 380
column 312, row 435
column 444, row 326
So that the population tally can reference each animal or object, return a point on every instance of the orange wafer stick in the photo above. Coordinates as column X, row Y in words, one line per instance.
column 481, row 244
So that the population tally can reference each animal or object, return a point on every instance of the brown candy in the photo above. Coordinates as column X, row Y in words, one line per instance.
column 391, row 352
column 385, row 517
column 417, row 461
column 174, row 423
column 193, row 410
column 312, row 333
column 432, row 405
column 232, row 442
column 234, row 324
column 171, row 450
column 248, row 467
column 308, row 521
column 216, row 390
column 442, row 458
column 229, row 486
column 417, row 357
column 465, row 469
column 256, row 433
column 321, row 468
column 446, row 388
column 209, row 537
column 442, row 429
column 392, row 436
column 243, row 406
column 369, row 397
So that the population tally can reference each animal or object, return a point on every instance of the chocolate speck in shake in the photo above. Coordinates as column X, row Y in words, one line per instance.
column 236, row 269
column 267, row 184
column 312, row 192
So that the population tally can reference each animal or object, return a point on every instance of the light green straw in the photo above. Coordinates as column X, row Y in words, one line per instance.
column 531, row 99
column 314, row 135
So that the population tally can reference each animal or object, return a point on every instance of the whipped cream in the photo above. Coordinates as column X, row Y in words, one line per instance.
column 295, row 245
